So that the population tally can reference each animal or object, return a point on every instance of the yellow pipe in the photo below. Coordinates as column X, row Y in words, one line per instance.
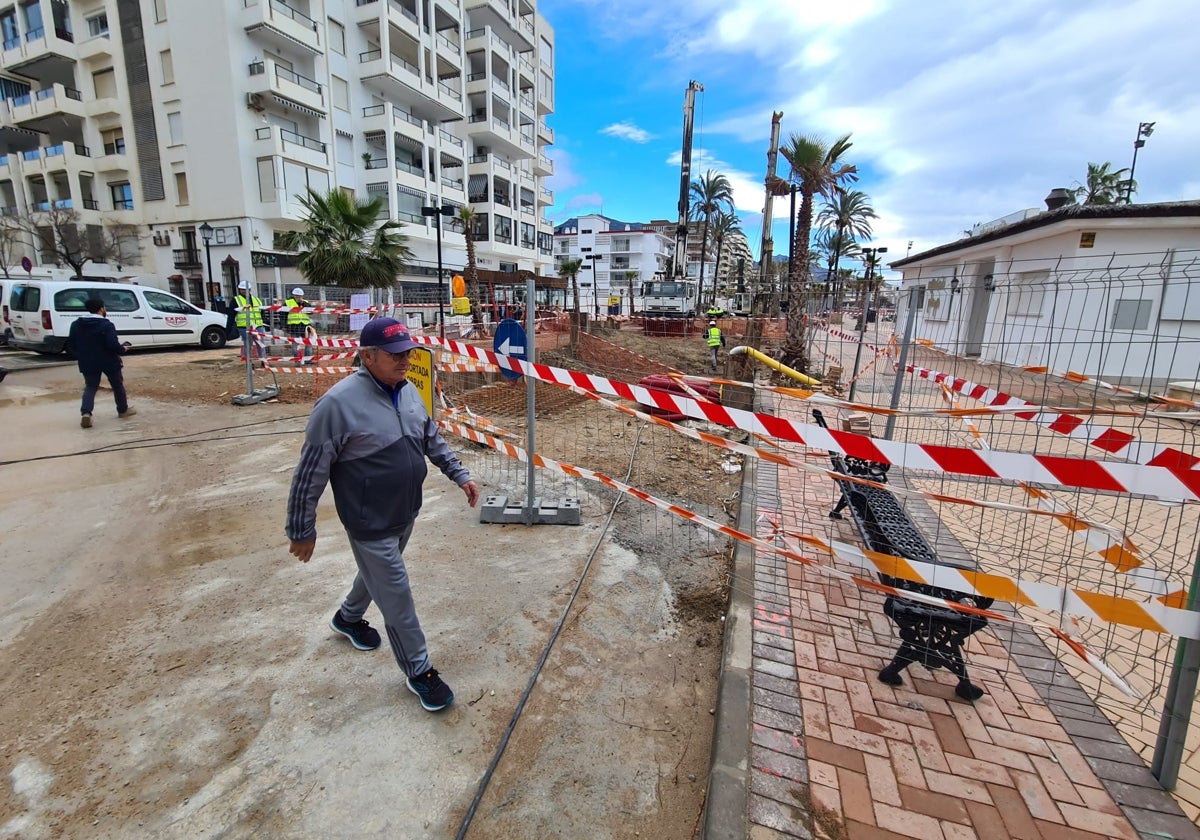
column 771, row 363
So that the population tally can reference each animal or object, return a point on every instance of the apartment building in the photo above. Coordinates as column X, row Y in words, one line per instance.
column 178, row 119
column 617, row 258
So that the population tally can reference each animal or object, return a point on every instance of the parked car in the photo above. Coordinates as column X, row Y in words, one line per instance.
column 41, row 312
column 5, row 328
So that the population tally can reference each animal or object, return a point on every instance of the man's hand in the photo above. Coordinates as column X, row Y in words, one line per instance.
column 302, row 550
column 472, row 491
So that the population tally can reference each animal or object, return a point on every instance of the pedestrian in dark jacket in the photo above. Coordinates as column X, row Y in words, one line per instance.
column 94, row 344
column 369, row 437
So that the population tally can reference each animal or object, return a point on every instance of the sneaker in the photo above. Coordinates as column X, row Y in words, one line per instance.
column 85, row 421
column 361, row 634
column 435, row 695
column 128, row 412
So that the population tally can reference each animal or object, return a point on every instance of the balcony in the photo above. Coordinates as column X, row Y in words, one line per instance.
column 66, row 157
column 287, row 87
column 272, row 141
column 187, row 258
column 545, row 132
column 280, row 25
column 543, row 166
column 43, row 53
column 495, row 13
column 545, row 197
column 401, row 81
column 112, row 158
column 101, row 45
column 34, row 109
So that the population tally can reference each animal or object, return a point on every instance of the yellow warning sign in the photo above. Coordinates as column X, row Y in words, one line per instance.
column 420, row 374
column 460, row 306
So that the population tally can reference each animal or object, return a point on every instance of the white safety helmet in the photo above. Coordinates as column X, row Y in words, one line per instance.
column 298, row 292
column 712, row 323
column 245, row 284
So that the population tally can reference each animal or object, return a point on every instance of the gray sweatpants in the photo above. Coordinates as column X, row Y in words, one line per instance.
column 383, row 579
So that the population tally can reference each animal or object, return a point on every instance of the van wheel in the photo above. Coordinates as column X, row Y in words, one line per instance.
column 213, row 338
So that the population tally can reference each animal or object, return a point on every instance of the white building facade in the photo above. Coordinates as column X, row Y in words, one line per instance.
column 1111, row 292
column 617, row 258
column 166, row 115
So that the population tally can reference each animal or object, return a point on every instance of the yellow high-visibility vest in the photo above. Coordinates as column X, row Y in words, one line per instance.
column 255, row 313
column 296, row 317
column 714, row 337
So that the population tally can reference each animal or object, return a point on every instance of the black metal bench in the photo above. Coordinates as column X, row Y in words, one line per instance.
column 929, row 634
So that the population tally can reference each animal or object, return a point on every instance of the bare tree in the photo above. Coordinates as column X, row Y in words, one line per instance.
column 58, row 236
column 13, row 240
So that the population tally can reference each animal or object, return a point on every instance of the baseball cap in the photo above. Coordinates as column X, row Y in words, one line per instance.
column 298, row 291
column 386, row 334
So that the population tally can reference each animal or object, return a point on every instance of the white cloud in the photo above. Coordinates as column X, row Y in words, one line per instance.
column 627, row 131
column 565, row 177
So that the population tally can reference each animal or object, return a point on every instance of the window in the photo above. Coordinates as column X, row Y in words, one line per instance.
column 97, row 25
column 337, row 37
column 503, row 229
column 160, row 10
column 113, row 140
column 527, row 235
column 1131, row 314
column 341, row 94
column 8, row 28
column 115, row 300
column 168, row 67
column 169, row 304
column 105, row 83
column 122, row 196
column 175, row 127
column 479, row 227
column 1027, row 293
column 181, row 187
column 25, row 298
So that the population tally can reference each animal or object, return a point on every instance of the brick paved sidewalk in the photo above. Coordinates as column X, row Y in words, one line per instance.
column 835, row 753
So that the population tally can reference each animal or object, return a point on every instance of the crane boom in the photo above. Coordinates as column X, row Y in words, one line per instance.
column 685, row 181
column 768, row 239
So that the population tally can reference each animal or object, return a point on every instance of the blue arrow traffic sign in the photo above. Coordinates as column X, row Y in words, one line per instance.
column 510, row 340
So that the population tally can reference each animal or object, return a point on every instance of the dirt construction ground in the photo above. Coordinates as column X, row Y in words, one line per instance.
column 167, row 670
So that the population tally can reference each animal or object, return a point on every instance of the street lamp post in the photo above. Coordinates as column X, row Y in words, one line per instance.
column 206, row 233
column 437, row 212
column 1145, row 129
column 595, row 282
column 869, row 255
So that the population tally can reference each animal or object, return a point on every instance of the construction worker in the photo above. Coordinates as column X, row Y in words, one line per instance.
column 714, row 312
column 298, row 324
column 249, row 317
column 715, row 341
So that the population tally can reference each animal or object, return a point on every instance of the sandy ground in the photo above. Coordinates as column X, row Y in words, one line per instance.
column 168, row 670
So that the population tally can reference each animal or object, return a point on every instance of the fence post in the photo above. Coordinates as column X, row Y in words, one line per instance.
column 910, row 318
column 1177, row 705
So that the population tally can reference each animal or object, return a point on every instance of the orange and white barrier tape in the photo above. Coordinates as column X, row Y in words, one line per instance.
column 522, row 455
column 1166, row 481
column 1119, row 552
column 311, row 369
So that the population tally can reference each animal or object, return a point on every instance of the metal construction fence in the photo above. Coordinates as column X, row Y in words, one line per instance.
column 1087, row 365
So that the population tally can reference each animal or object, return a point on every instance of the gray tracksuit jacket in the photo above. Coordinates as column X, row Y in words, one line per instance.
column 370, row 443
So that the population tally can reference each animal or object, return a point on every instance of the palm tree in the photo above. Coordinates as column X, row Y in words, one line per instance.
column 1105, row 185
column 569, row 271
column 846, row 215
column 817, row 168
column 710, row 194
column 466, row 217
column 723, row 225
column 344, row 244
column 831, row 247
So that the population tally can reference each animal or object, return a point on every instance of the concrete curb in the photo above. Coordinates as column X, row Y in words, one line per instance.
column 725, row 808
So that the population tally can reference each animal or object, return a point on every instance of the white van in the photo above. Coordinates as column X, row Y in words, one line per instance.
column 41, row 312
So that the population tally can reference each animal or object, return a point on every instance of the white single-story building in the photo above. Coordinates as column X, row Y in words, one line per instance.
column 1109, row 291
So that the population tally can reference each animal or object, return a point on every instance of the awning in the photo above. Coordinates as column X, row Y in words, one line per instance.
column 296, row 106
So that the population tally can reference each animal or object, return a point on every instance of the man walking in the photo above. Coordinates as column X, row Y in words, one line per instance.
column 94, row 344
column 249, row 319
column 369, row 437
column 715, row 342
column 298, row 324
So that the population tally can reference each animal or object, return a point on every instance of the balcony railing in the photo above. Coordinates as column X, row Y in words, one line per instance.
column 91, row 204
column 410, row 169
column 376, row 163
column 373, row 110
column 294, row 14
column 450, row 138
column 185, row 257
column 114, row 148
column 295, row 78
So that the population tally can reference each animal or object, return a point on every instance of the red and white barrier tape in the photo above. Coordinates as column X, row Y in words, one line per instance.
column 1166, row 481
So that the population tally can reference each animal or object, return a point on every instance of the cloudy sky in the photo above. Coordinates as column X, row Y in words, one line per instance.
column 961, row 111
